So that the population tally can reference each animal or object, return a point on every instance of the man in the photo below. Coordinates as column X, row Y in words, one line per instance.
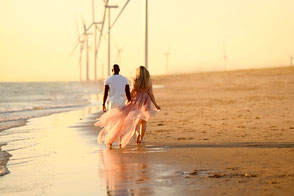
column 117, row 86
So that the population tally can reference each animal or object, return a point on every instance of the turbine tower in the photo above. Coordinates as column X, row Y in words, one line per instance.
column 225, row 57
column 118, row 54
column 110, row 26
column 291, row 59
column 166, row 54
column 95, row 25
column 86, row 34
column 81, row 43
column 146, row 34
column 109, row 7
column 166, row 60
column 101, row 34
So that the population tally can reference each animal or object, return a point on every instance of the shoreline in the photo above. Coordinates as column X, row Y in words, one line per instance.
column 5, row 155
column 70, row 162
column 23, row 122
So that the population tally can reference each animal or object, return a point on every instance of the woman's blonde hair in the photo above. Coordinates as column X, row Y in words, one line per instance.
column 142, row 78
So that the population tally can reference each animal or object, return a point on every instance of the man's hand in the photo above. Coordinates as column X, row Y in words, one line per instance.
column 104, row 108
column 128, row 94
column 106, row 89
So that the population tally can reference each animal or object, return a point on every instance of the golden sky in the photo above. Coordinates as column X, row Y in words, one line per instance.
column 36, row 36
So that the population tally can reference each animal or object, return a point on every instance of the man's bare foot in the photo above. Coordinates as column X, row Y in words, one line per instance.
column 109, row 146
column 119, row 145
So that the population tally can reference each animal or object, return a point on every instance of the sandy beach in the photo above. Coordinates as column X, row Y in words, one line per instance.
column 238, row 106
column 217, row 134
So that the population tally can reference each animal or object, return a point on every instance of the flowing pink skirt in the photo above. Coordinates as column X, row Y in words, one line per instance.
column 119, row 124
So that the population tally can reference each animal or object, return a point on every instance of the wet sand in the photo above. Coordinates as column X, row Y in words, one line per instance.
column 190, row 148
column 4, row 157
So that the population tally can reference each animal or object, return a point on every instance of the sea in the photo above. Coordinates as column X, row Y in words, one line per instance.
column 20, row 101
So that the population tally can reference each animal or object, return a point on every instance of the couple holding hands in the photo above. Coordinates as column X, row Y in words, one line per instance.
column 122, row 121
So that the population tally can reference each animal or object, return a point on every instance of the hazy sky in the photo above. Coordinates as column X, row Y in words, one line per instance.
column 36, row 36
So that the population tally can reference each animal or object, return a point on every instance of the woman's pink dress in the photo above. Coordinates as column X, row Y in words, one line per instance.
column 119, row 124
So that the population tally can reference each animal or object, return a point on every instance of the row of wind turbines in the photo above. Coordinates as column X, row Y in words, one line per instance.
column 226, row 62
column 83, row 38
column 98, row 27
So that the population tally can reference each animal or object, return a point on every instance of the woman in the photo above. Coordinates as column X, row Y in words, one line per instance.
column 121, row 124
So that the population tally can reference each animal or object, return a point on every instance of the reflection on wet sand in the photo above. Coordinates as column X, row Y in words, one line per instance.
column 123, row 173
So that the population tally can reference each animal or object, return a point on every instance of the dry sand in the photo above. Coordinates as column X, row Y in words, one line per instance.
column 239, row 106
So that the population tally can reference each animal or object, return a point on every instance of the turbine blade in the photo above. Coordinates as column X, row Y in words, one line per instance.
column 84, row 24
column 77, row 26
column 98, row 28
column 89, row 27
column 103, row 22
column 72, row 51
column 224, row 47
column 93, row 11
column 125, row 5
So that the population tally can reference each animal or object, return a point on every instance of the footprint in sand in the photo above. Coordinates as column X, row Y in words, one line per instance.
column 241, row 126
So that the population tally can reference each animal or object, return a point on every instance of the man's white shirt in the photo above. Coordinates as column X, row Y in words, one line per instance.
column 117, row 85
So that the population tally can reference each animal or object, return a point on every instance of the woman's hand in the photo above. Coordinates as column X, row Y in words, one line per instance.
column 157, row 107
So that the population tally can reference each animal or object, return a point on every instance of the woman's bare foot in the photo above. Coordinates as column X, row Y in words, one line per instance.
column 109, row 146
column 119, row 145
column 138, row 139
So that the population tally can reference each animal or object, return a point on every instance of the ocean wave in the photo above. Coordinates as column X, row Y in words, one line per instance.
column 15, row 119
column 23, row 101
column 20, row 119
column 11, row 124
column 41, row 108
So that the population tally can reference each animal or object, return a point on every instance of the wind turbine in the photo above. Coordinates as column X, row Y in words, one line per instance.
column 81, row 43
column 166, row 60
column 291, row 59
column 109, row 7
column 95, row 24
column 225, row 57
column 146, row 34
column 166, row 54
column 86, row 34
column 101, row 34
column 118, row 53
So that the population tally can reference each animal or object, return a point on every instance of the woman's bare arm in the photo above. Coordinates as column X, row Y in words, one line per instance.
column 150, row 92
